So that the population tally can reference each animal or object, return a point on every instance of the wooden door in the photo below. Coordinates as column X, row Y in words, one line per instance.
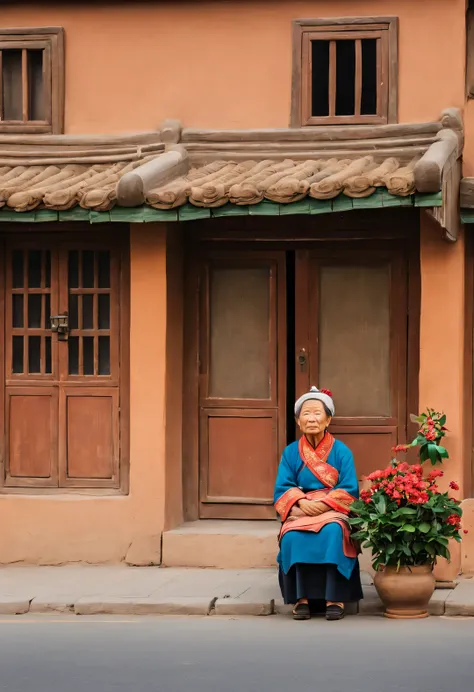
column 62, row 403
column 351, row 338
column 242, row 383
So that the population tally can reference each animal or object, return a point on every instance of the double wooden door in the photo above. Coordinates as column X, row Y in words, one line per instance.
column 338, row 320
column 60, row 371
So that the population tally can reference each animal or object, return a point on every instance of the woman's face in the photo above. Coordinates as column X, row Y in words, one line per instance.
column 313, row 419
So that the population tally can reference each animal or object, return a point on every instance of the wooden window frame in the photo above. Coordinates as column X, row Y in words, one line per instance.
column 470, row 50
column 305, row 30
column 51, row 40
column 59, row 484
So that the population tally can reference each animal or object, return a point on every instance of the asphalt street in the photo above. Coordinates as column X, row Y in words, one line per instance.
column 75, row 654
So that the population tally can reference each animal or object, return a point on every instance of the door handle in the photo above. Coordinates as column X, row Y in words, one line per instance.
column 302, row 358
column 60, row 326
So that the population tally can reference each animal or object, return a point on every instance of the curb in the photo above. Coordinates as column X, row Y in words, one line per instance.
column 450, row 603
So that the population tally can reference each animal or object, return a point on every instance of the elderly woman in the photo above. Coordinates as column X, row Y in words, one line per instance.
column 315, row 486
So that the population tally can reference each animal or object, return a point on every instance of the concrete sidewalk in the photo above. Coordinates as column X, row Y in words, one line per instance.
column 121, row 590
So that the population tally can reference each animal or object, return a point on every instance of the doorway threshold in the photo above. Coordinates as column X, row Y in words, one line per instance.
column 222, row 544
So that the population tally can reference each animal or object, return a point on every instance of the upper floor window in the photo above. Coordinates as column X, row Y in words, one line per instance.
column 32, row 80
column 470, row 50
column 345, row 71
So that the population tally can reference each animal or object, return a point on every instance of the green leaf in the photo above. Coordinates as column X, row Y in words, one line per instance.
column 433, row 454
column 359, row 535
column 407, row 510
column 443, row 452
column 442, row 420
column 355, row 521
column 424, row 527
column 418, row 547
column 442, row 540
column 381, row 504
column 409, row 528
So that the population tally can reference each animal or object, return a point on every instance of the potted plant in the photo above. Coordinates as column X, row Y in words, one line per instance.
column 407, row 522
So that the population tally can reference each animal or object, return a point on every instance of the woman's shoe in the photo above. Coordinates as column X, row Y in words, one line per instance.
column 334, row 612
column 301, row 612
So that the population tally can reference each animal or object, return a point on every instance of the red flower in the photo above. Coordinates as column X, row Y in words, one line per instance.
column 375, row 475
column 454, row 486
column 326, row 391
column 454, row 520
column 417, row 468
column 465, row 531
column 435, row 474
column 430, row 435
column 400, row 448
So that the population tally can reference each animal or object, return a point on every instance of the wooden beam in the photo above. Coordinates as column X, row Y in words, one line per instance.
column 148, row 137
column 337, row 21
column 428, row 171
column 319, row 147
column 313, row 134
column 133, row 186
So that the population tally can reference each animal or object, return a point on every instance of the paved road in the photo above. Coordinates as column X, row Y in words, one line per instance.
column 41, row 654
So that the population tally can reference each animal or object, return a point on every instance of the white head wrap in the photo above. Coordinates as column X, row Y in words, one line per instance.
column 315, row 394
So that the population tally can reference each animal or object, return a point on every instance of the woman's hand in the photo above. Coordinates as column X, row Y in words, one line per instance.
column 296, row 512
column 312, row 508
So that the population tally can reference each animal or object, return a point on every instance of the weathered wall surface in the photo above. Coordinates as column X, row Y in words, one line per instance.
column 81, row 527
column 228, row 65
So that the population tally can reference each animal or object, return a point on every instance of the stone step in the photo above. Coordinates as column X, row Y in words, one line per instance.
column 227, row 544
column 221, row 543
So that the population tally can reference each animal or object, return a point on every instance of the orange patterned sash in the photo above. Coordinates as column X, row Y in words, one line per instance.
column 316, row 459
column 315, row 524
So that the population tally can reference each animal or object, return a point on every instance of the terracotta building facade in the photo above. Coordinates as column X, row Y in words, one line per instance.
column 289, row 205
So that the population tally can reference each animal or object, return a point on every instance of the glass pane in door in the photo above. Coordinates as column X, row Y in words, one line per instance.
column 29, row 288
column 354, row 338
column 239, row 306
column 89, row 307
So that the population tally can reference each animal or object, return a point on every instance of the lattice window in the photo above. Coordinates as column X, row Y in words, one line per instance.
column 344, row 71
column 31, row 80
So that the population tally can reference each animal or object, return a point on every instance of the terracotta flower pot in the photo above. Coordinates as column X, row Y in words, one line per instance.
column 405, row 593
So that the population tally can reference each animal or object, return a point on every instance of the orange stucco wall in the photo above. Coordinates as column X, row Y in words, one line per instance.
column 51, row 529
column 441, row 378
column 222, row 65
column 210, row 64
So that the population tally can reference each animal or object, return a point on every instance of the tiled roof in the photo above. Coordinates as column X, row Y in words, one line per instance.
column 172, row 167
column 23, row 188
column 60, row 187
column 250, row 182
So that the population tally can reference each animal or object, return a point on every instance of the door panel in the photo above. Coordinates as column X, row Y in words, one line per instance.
column 242, row 383
column 246, row 441
column 90, row 449
column 31, row 444
column 351, row 317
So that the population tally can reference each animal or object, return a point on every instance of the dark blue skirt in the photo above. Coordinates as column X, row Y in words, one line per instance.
column 319, row 583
